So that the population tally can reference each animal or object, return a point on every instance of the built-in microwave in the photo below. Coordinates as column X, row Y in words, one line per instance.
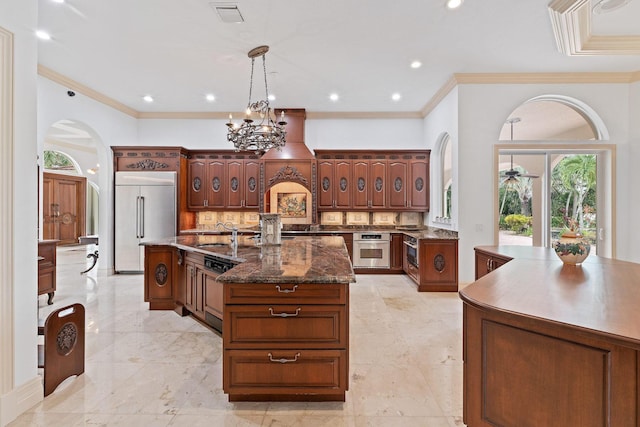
column 411, row 244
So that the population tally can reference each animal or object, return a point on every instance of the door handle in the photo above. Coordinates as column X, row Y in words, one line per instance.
column 137, row 217
column 142, row 217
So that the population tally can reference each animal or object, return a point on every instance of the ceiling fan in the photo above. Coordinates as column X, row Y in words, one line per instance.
column 511, row 176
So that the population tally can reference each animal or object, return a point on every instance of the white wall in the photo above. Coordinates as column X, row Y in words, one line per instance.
column 632, row 195
column 19, row 17
column 109, row 127
column 482, row 112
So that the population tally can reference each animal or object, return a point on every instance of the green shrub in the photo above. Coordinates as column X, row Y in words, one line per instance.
column 518, row 222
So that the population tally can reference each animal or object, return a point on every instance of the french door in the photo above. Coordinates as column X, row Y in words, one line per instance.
column 572, row 186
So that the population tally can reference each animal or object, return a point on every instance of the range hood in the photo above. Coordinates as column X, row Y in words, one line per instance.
column 294, row 148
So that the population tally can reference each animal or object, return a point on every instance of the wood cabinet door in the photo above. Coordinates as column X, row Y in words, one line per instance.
column 361, row 181
column 213, row 295
column 438, row 262
column 197, row 185
column 158, row 272
column 235, row 184
column 397, row 247
column 342, row 189
column 325, row 184
column 216, row 194
column 251, row 181
column 190, row 286
column 397, row 184
column 378, row 184
column 419, row 190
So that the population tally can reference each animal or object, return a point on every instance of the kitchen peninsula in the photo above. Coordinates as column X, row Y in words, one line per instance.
column 283, row 311
column 547, row 344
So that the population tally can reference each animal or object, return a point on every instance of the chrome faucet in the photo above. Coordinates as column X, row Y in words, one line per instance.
column 234, row 232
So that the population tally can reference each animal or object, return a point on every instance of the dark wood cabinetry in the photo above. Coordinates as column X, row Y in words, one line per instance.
column 335, row 186
column 486, row 262
column 437, row 269
column 223, row 180
column 160, row 281
column 377, row 180
column 397, row 253
column 203, row 293
column 286, row 341
column 47, row 268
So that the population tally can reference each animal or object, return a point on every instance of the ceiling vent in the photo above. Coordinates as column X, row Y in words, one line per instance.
column 228, row 12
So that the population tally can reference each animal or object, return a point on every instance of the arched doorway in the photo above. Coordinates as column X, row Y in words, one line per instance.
column 79, row 144
column 549, row 134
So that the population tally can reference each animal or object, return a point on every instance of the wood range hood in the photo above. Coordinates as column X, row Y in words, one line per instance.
column 294, row 163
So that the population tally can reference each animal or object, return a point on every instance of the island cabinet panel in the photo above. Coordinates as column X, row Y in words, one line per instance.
column 47, row 268
column 438, row 265
column 159, row 279
column 486, row 262
column 285, row 341
column 520, row 372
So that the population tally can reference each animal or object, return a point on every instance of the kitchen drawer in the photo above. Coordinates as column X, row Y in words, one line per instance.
column 288, row 293
column 285, row 326
column 285, row 372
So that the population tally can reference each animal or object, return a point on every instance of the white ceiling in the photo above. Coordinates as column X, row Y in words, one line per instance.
column 179, row 50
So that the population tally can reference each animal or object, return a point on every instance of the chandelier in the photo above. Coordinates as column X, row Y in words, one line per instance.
column 258, row 131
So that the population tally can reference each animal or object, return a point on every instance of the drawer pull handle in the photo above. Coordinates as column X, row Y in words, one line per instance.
column 284, row 314
column 283, row 360
column 286, row 291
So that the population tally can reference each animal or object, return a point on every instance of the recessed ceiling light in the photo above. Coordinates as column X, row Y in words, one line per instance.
column 148, row 98
column 271, row 97
column 604, row 6
column 58, row 1
column 396, row 96
column 210, row 97
column 416, row 64
column 43, row 35
column 453, row 4
column 334, row 97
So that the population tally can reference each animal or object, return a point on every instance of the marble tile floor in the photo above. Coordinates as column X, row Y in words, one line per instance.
column 155, row 368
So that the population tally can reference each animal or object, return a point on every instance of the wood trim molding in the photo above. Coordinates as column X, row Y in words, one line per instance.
column 543, row 78
column 439, row 96
column 571, row 22
column 85, row 90
column 6, row 214
column 364, row 115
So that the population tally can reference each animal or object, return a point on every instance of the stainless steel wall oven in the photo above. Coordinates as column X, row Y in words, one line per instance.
column 411, row 243
column 371, row 250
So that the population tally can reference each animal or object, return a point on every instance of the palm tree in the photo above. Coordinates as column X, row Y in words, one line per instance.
column 574, row 176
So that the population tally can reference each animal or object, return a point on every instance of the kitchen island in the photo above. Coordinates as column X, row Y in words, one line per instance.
column 283, row 310
column 552, row 345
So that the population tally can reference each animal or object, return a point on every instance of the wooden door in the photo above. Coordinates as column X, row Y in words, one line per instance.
column 378, row 184
column 361, row 181
column 198, row 186
column 342, row 178
column 235, row 184
column 325, row 184
column 64, row 207
column 216, row 194
column 251, row 187
column 419, row 191
column 397, row 184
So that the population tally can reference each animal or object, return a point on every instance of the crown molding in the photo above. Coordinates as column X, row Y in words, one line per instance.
column 439, row 96
column 448, row 86
column 571, row 22
column 544, row 78
column 85, row 90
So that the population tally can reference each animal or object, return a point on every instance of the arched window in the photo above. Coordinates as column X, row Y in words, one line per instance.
column 56, row 161
column 542, row 142
column 444, row 181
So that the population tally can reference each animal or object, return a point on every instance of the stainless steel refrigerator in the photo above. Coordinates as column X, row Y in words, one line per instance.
column 145, row 210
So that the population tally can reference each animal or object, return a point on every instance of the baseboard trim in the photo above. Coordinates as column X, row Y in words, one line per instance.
column 20, row 399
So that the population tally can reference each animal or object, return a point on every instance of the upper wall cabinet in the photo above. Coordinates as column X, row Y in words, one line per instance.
column 223, row 180
column 373, row 180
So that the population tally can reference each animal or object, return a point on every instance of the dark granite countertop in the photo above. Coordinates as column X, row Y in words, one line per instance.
column 417, row 232
column 300, row 259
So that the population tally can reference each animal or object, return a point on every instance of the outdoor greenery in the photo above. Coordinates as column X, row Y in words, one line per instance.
column 54, row 160
column 573, row 197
